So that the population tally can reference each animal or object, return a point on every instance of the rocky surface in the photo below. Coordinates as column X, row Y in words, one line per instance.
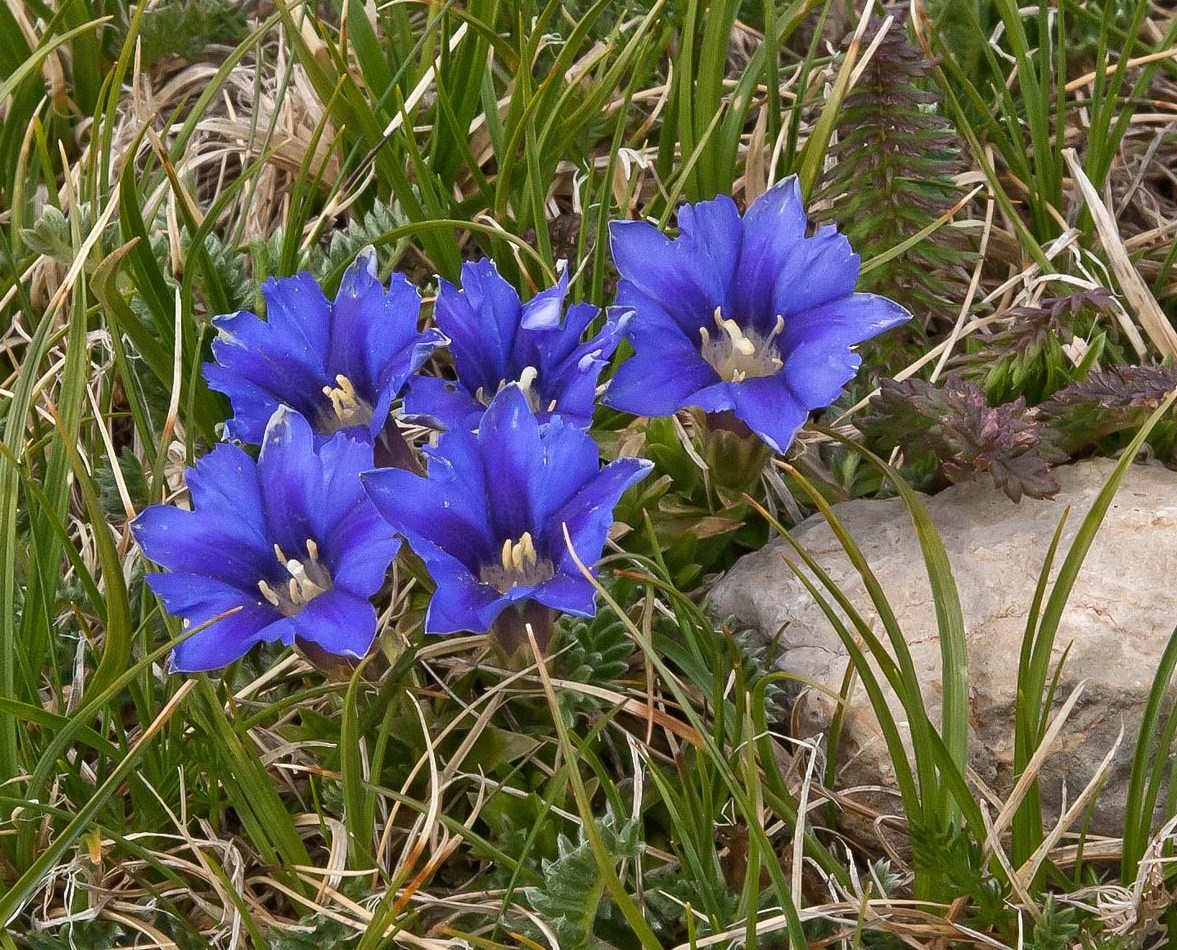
column 1117, row 622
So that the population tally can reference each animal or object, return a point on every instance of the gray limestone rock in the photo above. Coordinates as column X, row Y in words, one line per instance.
column 1117, row 622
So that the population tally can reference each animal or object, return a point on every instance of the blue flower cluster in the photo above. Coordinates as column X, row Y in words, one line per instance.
column 746, row 315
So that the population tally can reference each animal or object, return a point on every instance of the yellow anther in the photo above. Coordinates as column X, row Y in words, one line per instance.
column 279, row 555
column 343, row 398
column 295, row 593
column 519, row 555
column 312, row 549
column 268, row 593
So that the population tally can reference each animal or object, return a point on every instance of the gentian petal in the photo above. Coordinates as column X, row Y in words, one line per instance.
column 545, row 310
column 714, row 233
column 659, row 383
column 229, row 639
column 435, row 509
column 481, row 320
column 198, row 598
column 770, row 408
column 213, row 543
column 570, row 459
column 440, row 403
column 400, row 370
column 821, row 269
column 568, row 594
column 773, row 227
column 258, row 369
column 292, row 477
column 226, row 479
column 299, row 315
column 654, row 268
column 359, row 549
column 465, row 607
column 588, row 515
column 844, row 322
column 512, row 487
column 338, row 621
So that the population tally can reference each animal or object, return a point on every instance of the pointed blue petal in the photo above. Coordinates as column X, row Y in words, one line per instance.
column 441, row 403
column 659, row 383
column 568, row 593
column 545, row 310
column 588, row 515
column 225, row 480
column 820, row 270
column 508, row 437
column 229, row 639
column 339, row 622
column 773, row 226
column 770, row 408
column 570, row 459
column 843, row 323
column 481, row 319
column 291, row 475
column 298, row 317
column 213, row 543
column 198, row 598
column 440, row 509
column 359, row 550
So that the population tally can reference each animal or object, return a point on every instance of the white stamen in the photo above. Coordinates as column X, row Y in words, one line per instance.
column 777, row 328
column 268, row 593
column 343, row 398
column 741, row 354
column 527, row 376
column 312, row 549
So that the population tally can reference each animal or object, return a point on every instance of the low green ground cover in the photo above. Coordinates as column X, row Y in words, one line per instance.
column 1006, row 174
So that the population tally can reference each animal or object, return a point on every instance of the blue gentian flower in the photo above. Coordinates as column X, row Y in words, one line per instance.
column 488, row 518
column 291, row 539
column 339, row 364
column 495, row 340
column 746, row 315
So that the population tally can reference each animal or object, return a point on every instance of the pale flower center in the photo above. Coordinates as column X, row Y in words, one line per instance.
column 738, row 354
column 519, row 564
column 347, row 408
column 308, row 579
column 527, row 377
